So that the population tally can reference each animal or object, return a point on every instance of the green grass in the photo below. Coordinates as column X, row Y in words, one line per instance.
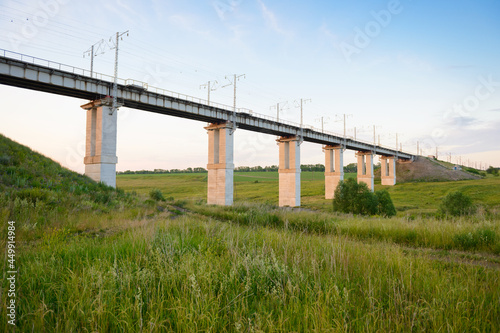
column 92, row 259
column 408, row 198
column 189, row 274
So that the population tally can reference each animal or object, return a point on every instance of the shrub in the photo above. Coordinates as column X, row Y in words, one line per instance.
column 351, row 197
column 457, row 204
column 343, row 200
column 472, row 170
column 365, row 201
column 385, row 205
column 493, row 171
column 156, row 195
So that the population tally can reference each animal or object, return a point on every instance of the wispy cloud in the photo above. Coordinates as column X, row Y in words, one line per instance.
column 131, row 16
column 272, row 21
column 483, row 136
column 460, row 67
column 187, row 23
column 461, row 122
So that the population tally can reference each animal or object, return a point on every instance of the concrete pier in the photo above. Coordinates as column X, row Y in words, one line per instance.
column 334, row 169
column 289, row 171
column 388, row 170
column 220, row 164
column 365, row 168
column 100, row 149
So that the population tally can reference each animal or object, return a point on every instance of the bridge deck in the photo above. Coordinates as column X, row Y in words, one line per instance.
column 73, row 82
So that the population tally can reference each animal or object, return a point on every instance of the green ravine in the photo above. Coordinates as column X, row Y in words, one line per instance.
column 94, row 259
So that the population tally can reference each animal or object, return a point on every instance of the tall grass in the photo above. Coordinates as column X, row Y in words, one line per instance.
column 447, row 234
column 189, row 274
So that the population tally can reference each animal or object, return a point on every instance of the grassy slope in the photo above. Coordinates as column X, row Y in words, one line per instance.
column 128, row 264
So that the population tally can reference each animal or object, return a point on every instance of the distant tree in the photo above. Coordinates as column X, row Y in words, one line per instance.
column 319, row 167
column 457, row 204
column 492, row 171
column 351, row 168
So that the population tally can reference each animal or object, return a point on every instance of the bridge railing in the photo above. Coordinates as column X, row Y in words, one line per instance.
column 161, row 91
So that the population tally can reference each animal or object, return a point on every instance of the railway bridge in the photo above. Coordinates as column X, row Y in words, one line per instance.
column 100, row 160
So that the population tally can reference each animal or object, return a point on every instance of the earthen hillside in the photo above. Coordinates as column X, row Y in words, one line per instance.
column 426, row 169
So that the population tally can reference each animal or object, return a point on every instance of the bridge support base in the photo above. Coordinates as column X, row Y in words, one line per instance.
column 220, row 164
column 365, row 169
column 289, row 171
column 334, row 169
column 100, row 149
column 388, row 170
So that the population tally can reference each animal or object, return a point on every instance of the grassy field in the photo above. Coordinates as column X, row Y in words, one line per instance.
column 409, row 198
column 92, row 259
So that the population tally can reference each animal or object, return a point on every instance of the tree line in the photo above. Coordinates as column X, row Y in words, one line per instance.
column 272, row 168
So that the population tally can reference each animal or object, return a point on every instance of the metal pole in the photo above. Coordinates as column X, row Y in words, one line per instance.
column 92, row 62
column 344, row 127
column 208, row 98
column 235, row 96
column 278, row 111
column 301, row 116
column 115, row 84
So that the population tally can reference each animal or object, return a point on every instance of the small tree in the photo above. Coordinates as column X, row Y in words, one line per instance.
column 343, row 200
column 385, row 205
column 457, row 204
column 351, row 197
column 492, row 171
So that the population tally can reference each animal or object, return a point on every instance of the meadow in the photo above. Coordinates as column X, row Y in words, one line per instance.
column 262, row 187
column 91, row 259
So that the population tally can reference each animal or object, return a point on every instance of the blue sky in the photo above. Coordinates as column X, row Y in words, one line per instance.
column 426, row 70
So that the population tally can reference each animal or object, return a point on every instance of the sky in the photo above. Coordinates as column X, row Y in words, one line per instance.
column 409, row 70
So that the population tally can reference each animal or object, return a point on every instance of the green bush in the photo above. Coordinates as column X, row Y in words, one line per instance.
column 156, row 195
column 385, row 205
column 351, row 197
column 472, row 170
column 457, row 204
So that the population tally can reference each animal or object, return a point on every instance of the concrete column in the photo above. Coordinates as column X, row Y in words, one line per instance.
column 289, row 171
column 365, row 168
column 388, row 170
column 100, row 151
column 220, row 164
column 334, row 169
